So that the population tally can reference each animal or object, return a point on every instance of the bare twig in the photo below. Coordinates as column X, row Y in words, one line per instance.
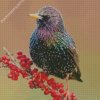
column 11, row 57
column 29, row 77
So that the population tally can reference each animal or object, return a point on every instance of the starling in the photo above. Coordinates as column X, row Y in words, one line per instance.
column 52, row 48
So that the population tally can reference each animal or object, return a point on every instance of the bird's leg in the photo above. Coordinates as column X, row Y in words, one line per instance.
column 67, row 97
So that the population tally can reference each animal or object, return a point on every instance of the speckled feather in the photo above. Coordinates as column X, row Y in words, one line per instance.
column 52, row 48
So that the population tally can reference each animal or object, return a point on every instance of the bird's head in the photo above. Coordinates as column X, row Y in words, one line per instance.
column 48, row 17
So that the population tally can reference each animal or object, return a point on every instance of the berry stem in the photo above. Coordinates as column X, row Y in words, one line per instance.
column 29, row 77
column 11, row 57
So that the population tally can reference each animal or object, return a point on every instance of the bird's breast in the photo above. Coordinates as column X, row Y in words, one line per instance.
column 54, row 57
column 46, row 33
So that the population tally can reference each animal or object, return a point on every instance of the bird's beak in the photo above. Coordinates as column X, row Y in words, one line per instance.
column 35, row 16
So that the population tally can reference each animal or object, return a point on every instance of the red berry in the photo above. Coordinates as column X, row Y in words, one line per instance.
column 23, row 72
column 46, row 92
column 45, row 78
column 46, row 87
column 13, row 77
column 42, row 80
column 52, row 79
column 52, row 94
column 1, row 59
column 41, row 85
column 54, row 82
column 58, row 85
column 48, row 82
column 57, row 98
column 22, row 60
column 9, row 75
column 29, row 62
column 43, row 75
column 72, row 96
column 16, row 78
column 61, row 85
column 31, row 86
column 19, row 52
column 11, row 65
column 19, row 56
column 27, row 59
column 4, row 57
column 37, row 80
column 12, row 72
column 8, row 59
column 57, row 94
column 18, row 70
column 64, row 94
column 54, row 86
column 23, row 64
column 14, row 68
column 52, row 90
column 16, row 74
column 54, row 98
column 27, row 66
column 23, row 56
column 25, row 75
column 6, row 62
column 35, row 70
column 38, row 75
column 61, row 90
column 30, row 82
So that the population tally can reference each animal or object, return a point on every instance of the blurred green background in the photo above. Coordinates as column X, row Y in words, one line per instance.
column 82, row 22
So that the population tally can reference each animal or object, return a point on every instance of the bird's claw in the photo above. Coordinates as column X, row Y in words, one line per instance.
column 67, row 96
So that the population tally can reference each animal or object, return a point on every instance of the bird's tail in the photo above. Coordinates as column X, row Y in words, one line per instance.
column 75, row 76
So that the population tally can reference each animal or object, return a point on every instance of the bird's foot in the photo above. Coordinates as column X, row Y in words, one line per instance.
column 67, row 96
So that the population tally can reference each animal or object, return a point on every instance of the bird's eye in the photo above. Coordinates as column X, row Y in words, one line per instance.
column 45, row 16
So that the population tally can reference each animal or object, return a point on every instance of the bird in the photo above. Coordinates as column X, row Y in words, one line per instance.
column 52, row 48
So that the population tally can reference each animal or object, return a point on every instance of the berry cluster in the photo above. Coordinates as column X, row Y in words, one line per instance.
column 38, row 79
column 24, row 60
column 55, row 89
column 4, row 60
column 14, row 70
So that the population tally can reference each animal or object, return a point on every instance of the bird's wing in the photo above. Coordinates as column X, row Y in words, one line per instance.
column 68, row 45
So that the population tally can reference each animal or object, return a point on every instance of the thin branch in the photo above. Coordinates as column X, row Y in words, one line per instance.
column 29, row 77
column 11, row 57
